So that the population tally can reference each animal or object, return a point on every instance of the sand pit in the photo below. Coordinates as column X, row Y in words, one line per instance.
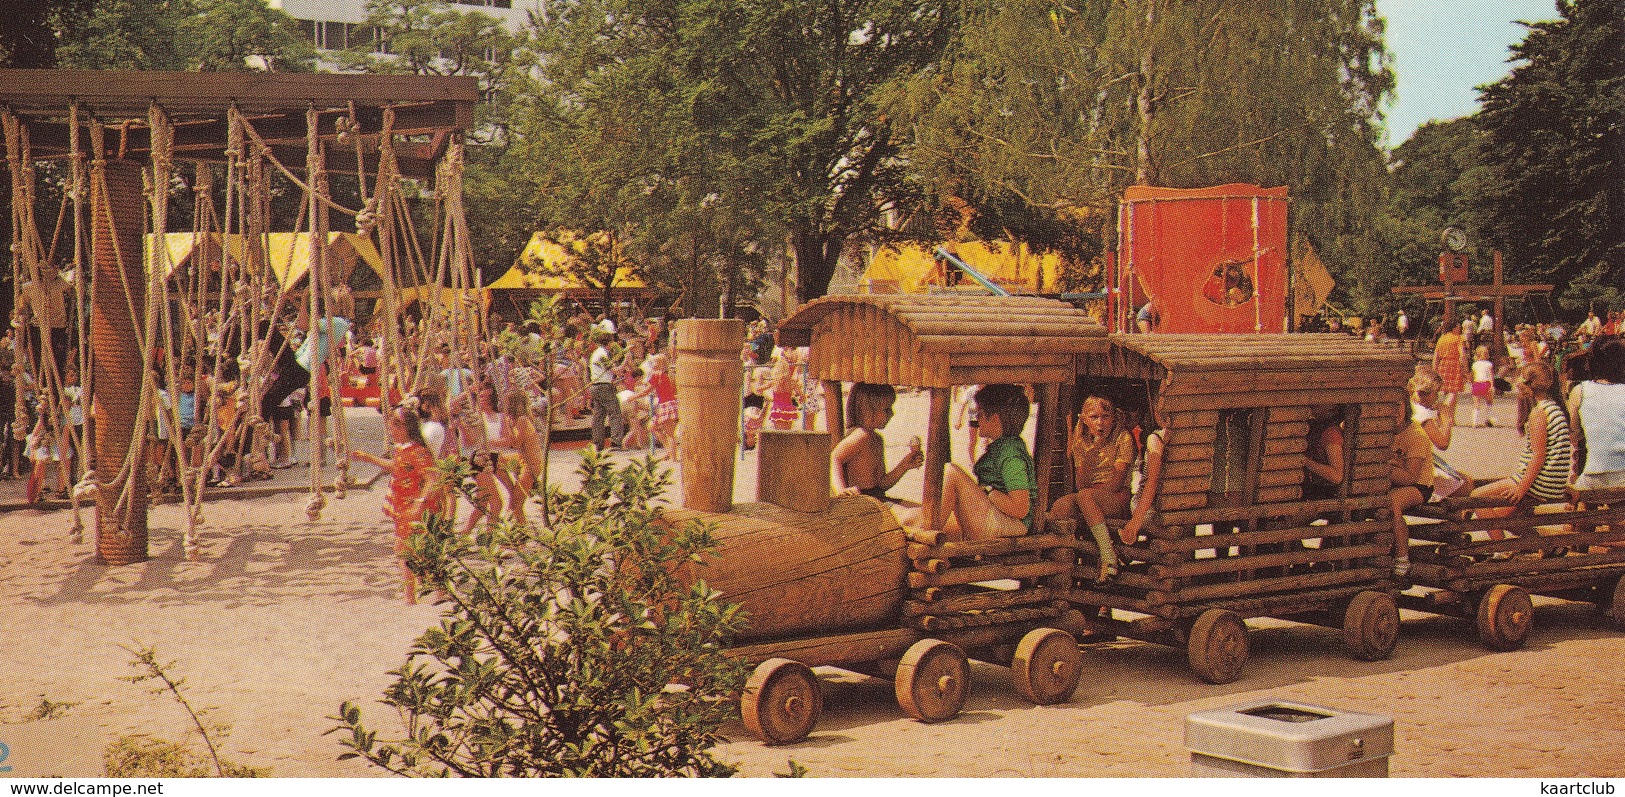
column 282, row 619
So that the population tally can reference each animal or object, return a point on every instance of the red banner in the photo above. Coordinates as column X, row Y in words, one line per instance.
column 1211, row 259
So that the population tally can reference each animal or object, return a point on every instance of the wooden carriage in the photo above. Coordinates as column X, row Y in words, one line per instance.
column 1230, row 535
column 840, row 582
column 1573, row 550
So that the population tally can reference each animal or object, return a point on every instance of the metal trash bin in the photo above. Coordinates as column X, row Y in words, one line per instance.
column 1284, row 739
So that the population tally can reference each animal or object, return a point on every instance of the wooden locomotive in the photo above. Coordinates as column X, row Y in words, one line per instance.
column 839, row 582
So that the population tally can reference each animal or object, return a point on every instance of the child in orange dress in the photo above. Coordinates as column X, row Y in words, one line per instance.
column 411, row 496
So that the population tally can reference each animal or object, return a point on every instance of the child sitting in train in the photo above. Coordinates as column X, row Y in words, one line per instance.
column 860, row 458
column 1150, row 479
column 1101, row 452
column 1412, row 474
column 998, row 501
column 1542, row 472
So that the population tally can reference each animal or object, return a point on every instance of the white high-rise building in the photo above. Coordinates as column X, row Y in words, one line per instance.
column 341, row 24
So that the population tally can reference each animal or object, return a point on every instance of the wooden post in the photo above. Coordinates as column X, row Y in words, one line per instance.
column 710, row 381
column 1044, row 449
column 937, row 455
column 1500, row 310
column 792, row 469
column 835, row 408
column 117, row 219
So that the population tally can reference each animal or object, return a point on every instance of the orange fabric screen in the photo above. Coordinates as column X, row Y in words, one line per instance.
column 1213, row 259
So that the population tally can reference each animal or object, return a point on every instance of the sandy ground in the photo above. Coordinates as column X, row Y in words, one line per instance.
column 284, row 618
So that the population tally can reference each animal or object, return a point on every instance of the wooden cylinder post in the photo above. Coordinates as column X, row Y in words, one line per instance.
column 792, row 469
column 937, row 456
column 835, row 409
column 117, row 213
column 710, row 380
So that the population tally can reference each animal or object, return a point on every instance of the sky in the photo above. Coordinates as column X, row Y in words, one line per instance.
column 1442, row 49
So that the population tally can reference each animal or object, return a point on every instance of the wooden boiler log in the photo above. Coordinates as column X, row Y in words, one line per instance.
column 1236, row 564
column 967, row 575
column 1142, row 581
column 982, row 601
column 1281, row 584
column 796, row 573
column 835, row 650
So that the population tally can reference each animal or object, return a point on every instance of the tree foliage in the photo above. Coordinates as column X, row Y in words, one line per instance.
column 757, row 120
column 1060, row 105
column 574, row 650
column 1554, row 148
column 185, row 35
column 433, row 37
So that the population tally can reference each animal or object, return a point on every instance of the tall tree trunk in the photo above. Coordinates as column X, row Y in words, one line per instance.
column 817, row 255
column 1145, row 172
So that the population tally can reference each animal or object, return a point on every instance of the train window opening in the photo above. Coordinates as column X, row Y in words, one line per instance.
column 1234, row 457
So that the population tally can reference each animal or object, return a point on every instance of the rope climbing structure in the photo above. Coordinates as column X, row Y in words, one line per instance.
column 356, row 154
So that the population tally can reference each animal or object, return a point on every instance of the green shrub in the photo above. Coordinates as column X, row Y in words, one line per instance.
column 575, row 650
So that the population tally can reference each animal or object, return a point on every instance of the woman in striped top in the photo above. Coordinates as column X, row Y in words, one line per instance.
column 1543, row 469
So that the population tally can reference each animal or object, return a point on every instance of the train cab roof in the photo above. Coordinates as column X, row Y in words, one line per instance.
column 941, row 341
column 1232, row 371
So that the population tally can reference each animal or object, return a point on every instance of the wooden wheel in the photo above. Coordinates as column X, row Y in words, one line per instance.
column 782, row 701
column 1047, row 666
column 1505, row 615
column 1371, row 626
column 1616, row 604
column 1217, row 646
column 932, row 680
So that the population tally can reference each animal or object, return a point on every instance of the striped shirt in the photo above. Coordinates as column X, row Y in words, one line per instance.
column 1554, row 472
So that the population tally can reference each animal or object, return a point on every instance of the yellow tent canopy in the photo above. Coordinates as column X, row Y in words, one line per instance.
column 542, row 266
column 287, row 252
column 912, row 268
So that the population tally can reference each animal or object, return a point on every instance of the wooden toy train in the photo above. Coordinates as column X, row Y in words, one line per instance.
column 1231, row 535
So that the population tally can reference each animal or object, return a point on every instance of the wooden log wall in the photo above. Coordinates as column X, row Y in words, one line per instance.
column 946, row 579
column 1555, row 546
